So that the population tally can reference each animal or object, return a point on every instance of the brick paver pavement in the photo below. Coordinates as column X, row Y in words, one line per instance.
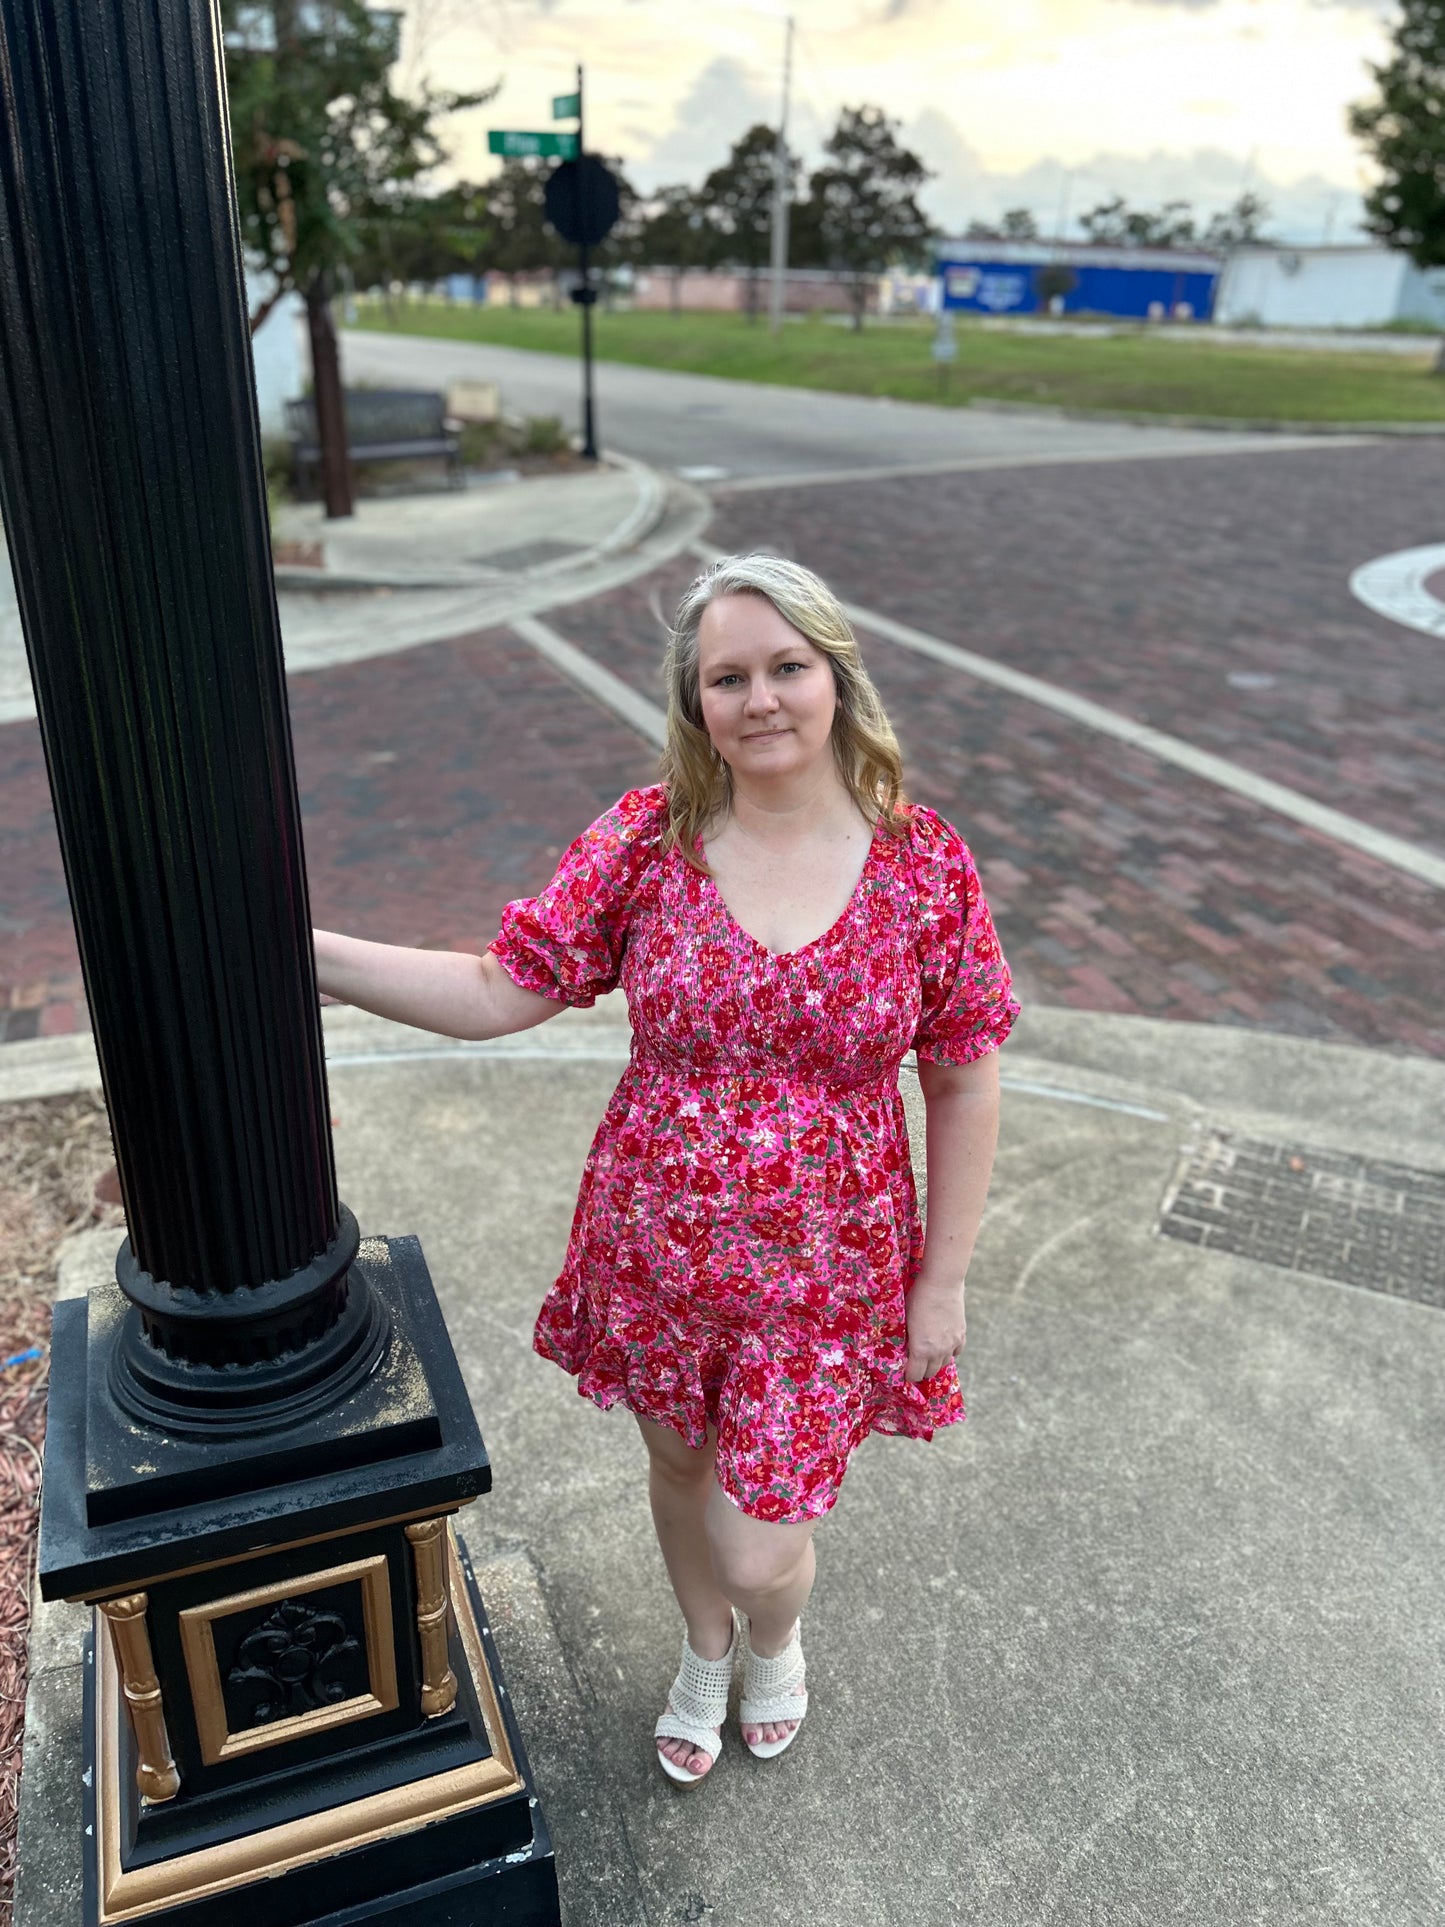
column 437, row 783
column 1120, row 883
column 1144, row 584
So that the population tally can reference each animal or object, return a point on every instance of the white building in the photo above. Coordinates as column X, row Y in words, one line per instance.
column 1343, row 287
column 276, row 352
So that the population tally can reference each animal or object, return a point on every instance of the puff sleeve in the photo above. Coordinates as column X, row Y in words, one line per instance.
column 568, row 942
column 968, row 1004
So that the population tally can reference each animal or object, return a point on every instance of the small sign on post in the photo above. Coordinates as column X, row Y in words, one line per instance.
column 516, row 144
column 566, row 106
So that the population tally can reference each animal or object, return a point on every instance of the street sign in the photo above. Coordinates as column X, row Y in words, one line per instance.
column 943, row 346
column 582, row 201
column 566, row 106
column 526, row 145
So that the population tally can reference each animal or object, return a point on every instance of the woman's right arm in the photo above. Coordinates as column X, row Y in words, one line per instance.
column 448, row 991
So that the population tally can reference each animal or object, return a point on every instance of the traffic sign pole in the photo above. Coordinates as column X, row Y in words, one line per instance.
column 583, row 201
column 589, row 435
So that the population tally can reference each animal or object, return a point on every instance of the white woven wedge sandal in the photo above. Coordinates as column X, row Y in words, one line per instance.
column 698, row 1704
column 769, row 1694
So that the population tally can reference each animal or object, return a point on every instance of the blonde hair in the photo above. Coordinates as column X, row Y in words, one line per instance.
column 699, row 782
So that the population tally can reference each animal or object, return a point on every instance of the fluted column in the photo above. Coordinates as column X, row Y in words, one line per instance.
column 134, row 503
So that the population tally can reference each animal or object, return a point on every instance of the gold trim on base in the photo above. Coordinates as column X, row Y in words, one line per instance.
column 130, row 1895
column 208, row 1697
column 433, row 1608
column 155, row 1772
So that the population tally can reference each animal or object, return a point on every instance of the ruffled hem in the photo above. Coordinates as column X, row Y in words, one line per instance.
column 739, row 1388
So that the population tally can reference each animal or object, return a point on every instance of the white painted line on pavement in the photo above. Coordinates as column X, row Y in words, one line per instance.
column 1029, row 1089
column 609, row 690
column 1394, row 586
column 528, row 1054
column 966, row 464
column 1394, row 850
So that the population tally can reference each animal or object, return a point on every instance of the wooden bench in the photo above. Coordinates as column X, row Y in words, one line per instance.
column 382, row 425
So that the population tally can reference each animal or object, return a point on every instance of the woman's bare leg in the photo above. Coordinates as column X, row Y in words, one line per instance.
column 767, row 1572
column 680, row 1478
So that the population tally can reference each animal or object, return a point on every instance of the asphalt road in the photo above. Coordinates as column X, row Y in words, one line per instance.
column 748, row 429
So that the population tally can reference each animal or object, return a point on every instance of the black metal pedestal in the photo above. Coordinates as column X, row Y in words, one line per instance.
column 315, row 1749
column 483, row 1855
column 258, row 1435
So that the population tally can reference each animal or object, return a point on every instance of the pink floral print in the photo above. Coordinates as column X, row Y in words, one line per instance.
column 747, row 1228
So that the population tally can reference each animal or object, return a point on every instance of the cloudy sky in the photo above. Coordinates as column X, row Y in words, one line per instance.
column 1049, row 104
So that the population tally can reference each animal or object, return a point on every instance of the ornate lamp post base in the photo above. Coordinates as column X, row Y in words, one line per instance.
column 293, row 1703
column 258, row 1434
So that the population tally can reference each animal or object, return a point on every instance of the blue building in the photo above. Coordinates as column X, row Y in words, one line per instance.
column 1042, row 277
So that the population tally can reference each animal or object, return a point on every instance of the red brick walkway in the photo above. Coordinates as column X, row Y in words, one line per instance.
column 438, row 783
column 435, row 785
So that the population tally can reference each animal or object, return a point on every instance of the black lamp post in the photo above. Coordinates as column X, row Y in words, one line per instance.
column 259, row 1434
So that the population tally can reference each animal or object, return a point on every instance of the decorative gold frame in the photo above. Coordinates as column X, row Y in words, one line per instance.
column 218, row 1742
column 254, row 1857
column 433, row 1609
column 155, row 1773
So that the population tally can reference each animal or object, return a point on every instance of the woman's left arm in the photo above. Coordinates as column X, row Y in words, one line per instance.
column 960, row 1104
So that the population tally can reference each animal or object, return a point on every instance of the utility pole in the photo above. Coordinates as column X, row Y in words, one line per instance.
column 780, row 193
column 1065, row 193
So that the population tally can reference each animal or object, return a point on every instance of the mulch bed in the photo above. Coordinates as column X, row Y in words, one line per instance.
column 53, row 1154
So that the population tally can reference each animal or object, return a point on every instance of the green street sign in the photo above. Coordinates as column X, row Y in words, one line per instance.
column 514, row 144
column 566, row 106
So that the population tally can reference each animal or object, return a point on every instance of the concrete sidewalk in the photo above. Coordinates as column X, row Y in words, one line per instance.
column 496, row 529
column 407, row 570
column 1153, row 1638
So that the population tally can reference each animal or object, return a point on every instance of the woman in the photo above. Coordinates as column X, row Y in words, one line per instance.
column 747, row 1272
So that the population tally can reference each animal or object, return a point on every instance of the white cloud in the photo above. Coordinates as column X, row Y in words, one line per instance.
column 1302, row 209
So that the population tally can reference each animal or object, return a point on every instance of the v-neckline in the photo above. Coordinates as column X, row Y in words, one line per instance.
column 823, row 935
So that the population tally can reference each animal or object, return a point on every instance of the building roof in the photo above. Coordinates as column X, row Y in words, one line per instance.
column 1077, row 254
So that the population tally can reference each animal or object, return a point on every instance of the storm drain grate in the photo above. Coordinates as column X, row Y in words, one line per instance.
column 1358, row 1220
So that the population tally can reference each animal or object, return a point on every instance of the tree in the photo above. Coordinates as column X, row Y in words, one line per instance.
column 1403, row 128
column 1241, row 225
column 867, row 217
column 676, row 235
column 521, row 240
column 432, row 235
column 1114, row 223
column 1015, row 224
column 1405, row 135
column 326, row 155
column 622, row 248
column 738, row 197
column 1056, row 282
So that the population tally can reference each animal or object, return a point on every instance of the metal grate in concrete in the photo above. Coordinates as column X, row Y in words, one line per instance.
column 1361, row 1221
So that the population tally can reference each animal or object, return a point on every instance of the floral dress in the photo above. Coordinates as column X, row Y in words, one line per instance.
column 747, row 1227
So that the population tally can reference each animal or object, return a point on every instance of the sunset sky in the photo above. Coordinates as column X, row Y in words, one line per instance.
column 1049, row 104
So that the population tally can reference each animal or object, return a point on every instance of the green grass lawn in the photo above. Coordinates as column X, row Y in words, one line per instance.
column 1158, row 372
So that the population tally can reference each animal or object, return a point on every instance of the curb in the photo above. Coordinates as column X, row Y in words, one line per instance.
column 639, row 522
column 1228, row 424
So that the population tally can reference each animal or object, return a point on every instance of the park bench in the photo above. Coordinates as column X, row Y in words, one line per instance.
column 382, row 425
